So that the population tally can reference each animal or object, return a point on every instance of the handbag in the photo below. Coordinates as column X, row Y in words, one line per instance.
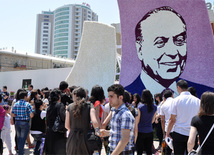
column 195, row 152
column 59, row 125
column 93, row 141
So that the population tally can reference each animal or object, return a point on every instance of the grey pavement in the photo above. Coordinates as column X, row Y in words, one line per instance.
column 30, row 151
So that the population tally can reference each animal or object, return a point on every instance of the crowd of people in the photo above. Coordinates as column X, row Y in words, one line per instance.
column 67, row 120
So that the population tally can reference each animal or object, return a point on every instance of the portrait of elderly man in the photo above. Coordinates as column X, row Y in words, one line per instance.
column 161, row 44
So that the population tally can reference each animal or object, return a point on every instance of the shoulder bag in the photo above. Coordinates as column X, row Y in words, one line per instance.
column 59, row 125
column 195, row 152
column 93, row 141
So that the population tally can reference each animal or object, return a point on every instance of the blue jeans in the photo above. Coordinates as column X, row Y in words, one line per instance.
column 38, row 140
column 22, row 130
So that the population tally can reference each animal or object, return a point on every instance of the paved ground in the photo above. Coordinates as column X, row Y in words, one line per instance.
column 30, row 151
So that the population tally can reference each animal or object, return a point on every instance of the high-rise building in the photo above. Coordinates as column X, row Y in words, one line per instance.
column 67, row 29
column 44, row 33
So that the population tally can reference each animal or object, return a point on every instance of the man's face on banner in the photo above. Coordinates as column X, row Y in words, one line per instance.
column 163, row 48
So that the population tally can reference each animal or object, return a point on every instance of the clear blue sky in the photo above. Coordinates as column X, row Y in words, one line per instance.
column 18, row 19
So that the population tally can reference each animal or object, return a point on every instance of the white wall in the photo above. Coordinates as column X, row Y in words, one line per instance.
column 96, row 59
column 40, row 78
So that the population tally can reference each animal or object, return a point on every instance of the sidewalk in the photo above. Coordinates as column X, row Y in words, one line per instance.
column 30, row 151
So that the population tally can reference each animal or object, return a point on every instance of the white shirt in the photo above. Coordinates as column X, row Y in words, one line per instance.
column 154, row 86
column 165, row 110
column 185, row 107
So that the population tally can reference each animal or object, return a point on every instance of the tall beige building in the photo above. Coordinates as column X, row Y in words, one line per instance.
column 65, row 30
column 44, row 33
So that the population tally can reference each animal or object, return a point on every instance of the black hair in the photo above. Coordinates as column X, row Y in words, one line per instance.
column 0, row 98
column 97, row 93
column 147, row 99
column 54, row 96
column 6, row 107
column 182, row 84
column 126, row 97
column 38, row 103
column 30, row 86
column 138, row 32
column 160, row 97
column 72, row 88
column 22, row 94
column 39, row 91
column 5, row 87
column 167, row 93
column 33, row 95
column 138, row 99
column 63, row 85
column 192, row 91
column 17, row 94
column 78, row 104
column 46, row 94
column 117, row 89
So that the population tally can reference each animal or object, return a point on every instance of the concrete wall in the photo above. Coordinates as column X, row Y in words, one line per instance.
column 40, row 78
column 96, row 59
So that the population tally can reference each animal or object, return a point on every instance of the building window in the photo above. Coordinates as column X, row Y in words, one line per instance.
column 44, row 46
column 46, row 20
column 45, row 35
column 46, row 23
column 44, row 43
column 45, row 27
column 45, row 31
column 77, row 26
column 46, row 16
column 25, row 83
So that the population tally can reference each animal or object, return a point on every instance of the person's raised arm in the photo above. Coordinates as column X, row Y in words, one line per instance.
column 107, row 120
column 191, row 140
column 94, row 118
column 97, row 110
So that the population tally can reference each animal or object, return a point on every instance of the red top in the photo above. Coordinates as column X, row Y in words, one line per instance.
column 101, row 109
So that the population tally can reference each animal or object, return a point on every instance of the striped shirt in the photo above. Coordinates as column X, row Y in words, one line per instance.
column 121, row 119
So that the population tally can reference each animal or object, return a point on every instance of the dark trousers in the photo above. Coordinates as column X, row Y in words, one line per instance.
column 144, row 143
column 159, row 131
column 1, row 145
column 168, row 151
column 180, row 143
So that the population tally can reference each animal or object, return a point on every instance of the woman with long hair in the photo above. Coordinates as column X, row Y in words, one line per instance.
column 78, row 117
column 202, row 123
column 97, row 97
column 38, row 126
column 147, row 117
column 55, row 142
column 136, row 100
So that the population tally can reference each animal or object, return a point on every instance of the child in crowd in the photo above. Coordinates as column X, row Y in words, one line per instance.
column 6, row 130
